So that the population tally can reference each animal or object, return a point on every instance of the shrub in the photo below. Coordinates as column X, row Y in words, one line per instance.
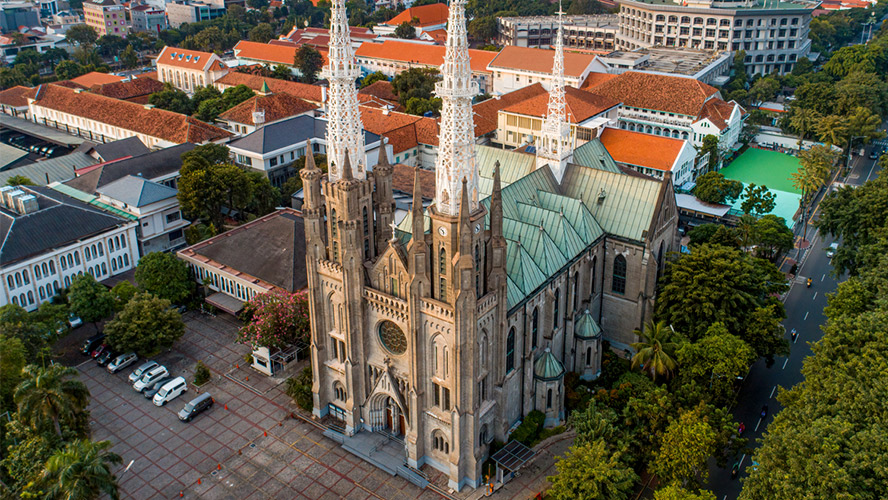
column 299, row 388
column 530, row 428
column 201, row 374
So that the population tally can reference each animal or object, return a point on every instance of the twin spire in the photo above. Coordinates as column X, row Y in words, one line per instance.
column 554, row 147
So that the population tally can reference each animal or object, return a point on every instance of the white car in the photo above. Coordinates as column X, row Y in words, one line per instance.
column 121, row 362
column 170, row 391
column 831, row 250
column 149, row 377
column 137, row 373
column 74, row 321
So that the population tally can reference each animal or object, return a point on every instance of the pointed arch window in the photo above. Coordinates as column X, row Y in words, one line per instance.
column 555, row 308
column 333, row 228
column 366, row 223
column 510, row 350
column 592, row 283
column 477, row 270
column 618, row 283
column 534, row 326
column 442, row 272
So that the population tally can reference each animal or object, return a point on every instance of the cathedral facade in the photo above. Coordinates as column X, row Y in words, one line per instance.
column 445, row 331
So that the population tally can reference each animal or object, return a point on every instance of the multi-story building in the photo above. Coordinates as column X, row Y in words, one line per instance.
column 148, row 18
column 47, row 238
column 189, row 69
column 516, row 67
column 264, row 109
column 590, row 32
column 773, row 34
column 106, row 16
column 430, row 17
column 654, row 155
column 15, row 14
column 180, row 12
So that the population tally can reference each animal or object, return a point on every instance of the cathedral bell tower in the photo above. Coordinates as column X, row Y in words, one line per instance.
column 555, row 146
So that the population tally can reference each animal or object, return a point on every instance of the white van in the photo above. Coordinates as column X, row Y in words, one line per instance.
column 170, row 391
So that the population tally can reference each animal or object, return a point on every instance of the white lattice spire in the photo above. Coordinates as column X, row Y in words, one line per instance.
column 456, row 139
column 554, row 147
column 344, row 128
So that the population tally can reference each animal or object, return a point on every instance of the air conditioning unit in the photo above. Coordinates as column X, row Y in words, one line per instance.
column 27, row 204
column 10, row 196
column 3, row 191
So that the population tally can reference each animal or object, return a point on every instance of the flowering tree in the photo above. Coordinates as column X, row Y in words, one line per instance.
column 276, row 319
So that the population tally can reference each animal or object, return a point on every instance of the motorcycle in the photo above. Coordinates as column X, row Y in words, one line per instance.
column 764, row 411
column 809, row 282
column 735, row 470
column 741, row 429
column 793, row 334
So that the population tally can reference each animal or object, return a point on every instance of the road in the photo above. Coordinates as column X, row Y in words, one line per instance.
column 804, row 312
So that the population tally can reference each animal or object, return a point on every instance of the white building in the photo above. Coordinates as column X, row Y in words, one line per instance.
column 189, row 69
column 517, row 67
column 654, row 155
column 47, row 238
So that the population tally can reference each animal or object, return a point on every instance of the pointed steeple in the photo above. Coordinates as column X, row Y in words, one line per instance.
column 311, row 183
column 418, row 216
column 554, row 147
column 346, row 167
column 465, row 225
column 344, row 128
column 496, row 205
column 456, row 138
column 264, row 90
column 310, row 165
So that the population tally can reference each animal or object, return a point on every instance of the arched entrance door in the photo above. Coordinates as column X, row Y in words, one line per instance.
column 387, row 416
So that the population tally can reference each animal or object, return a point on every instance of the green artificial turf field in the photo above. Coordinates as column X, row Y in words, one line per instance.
column 770, row 168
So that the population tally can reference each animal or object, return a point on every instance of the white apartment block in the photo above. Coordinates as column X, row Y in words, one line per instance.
column 590, row 32
column 189, row 69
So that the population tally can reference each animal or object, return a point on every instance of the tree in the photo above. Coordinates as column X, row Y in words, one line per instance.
column 711, row 365
column 590, row 472
column 866, row 90
column 211, row 153
column 26, row 458
column 714, row 234
column 713, row 187
column 299, row 388
column 201, row 192
column 89, row 299
column 163, row 275
column 757, row 200
column 710, row 145
column 82, row 35
column 210, row 39
column 171, row 99
column 12, row 360
column 232, row 96
column 764, row 89
column 309, row 63
column 655, row 353
column 281, row 72
column 405, row 30
column 415, row 88
column 239, row 190
column 772, row 236
column 763, row 331
column 685, row 447
column 262, row 33
column 265, row 197
column 277, row 319
column 146, row 325
column 11, row 77
column 110, row 45
column 815, row 166
column 376, row 76
column 864, row 124
column 483, row 28
column 122, row 293
column 129, row 57
column 49, row 399
column 82, row 470
column 67, row 70
column 676, row 492
column 19, row 180
column 832, row 129
column 803, row 120
column 31, row 329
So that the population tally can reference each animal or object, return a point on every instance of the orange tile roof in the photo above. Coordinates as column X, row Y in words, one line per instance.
column 273, row 53
column 276, row 107
column 154, row 122
column 486, row 119
column 540, row 60
column 128, row 90
column 643, row 150
column 15, row 96
column 439, row 35
column 96, row 78
column 580, row 105
column 189, row 59
column 424, row 15
column 149, row 74
column 311, row 93
column 429, row 55
column 718, row 112
column 672, row 94
column 403, row 131
column 381, row 89
column 403, row 177
column 596, row 79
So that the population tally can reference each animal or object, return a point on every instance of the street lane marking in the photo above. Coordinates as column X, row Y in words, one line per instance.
column 823, row 278
column 784, row 363
column 758, row 423
column 773, row 391
column 806, row 315
column 815, row 296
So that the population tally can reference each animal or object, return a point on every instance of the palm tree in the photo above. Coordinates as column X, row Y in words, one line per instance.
column 81, row 470
column 832, row 129
column 47, row 397
column 803, row 120
column 655, row 353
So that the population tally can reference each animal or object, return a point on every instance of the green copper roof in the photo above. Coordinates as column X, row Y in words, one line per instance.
column 92, row 200
column 586, row 327
column 264, row 89
column 548, row 367
column 594, row 155
column 513, row 166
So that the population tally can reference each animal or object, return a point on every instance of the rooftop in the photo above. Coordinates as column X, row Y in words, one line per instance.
column 579, row 105
column 58, row 169
column 150, row 166
column 418, row 53
column 578, row 20
column 276, row 107
column 540, row 60
column 95, row 78
column 402, row 180
column 312, row 93
column 425, row 15
column 486, row 112
column 287, row 132
column 127, row 90
column 273, row 53
column 672, row 94
column 684, row 61
column 114, row 150
column 15, row 97
column 750, row 5
column 189, row 59
column 643, row 150
column 137, row 191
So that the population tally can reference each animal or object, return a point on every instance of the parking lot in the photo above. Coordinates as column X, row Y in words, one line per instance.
column 252, row 449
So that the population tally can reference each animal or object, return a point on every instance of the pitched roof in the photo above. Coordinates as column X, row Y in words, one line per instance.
column 580, row 105
column 276, row 107
column 595, row 79
column 672, row 94
column 153, row 122
column 382, row 89
column 486, row 120
column 417, row 53
column 114, row 150
column 305, row 91
column 439, row 35
column 547, row 367
column 189, row 59
column 126, row 90
column 403, row 131
column 402, row 180
column 643, row 150
column 137, row 191
column 718, row 112
column 58, row 169
column 15, row 96
column 96, row 78
column 60, row 220
column 540, row 60
column 425, row 15
column 279, row 237
column 149, row 166
column 287, row 132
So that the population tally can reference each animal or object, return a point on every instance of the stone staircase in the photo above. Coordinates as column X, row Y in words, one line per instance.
column 381, row 451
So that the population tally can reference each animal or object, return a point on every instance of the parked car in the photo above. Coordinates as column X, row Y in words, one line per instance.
column 106, row 357
column 150, row 377
column 876, row 153
column 138, row 372
column 831, row 250
column 99, row 350
column 121, row 362
column 195, row 406
column 74, row 321
column 170, row 391
column 151, row 390
column 92, row 343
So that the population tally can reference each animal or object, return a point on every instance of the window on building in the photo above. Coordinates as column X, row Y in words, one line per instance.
column 173, row 217
column 618, row 284
column 555, row 309
column 534, row 327
column 510, row 350
column 548, row 399
column 440, row 443
column 442, row 272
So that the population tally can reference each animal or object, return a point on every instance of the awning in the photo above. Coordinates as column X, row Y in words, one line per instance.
column 513, row 456
column 227, row 303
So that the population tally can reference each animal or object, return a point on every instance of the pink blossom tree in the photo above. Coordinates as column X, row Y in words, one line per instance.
column 276, row 319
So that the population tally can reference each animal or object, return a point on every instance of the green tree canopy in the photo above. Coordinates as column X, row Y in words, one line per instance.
column 12, row 360
column 714, row 234
column 146, row 325
column 19, row 180
column 309, row 63
column 415, row 88
column 405, row 30
column 49, row 399
column 163, row 275
column 710, row 366
column 82, row 470
column 674, row 491
column 262, row 33
column 591, row 472
column 376, row 76
column 655, row 352
column 171, row 99
column 685, row 447
column 129, row 57
column 81, row 34
column 122, row 293
column 772, row 236
column 89, row 299
column 757, row 200
column 713, row 187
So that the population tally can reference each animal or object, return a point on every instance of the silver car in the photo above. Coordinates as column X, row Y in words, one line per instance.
column 150, row 377
column 121, row 362
column 137, row 374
